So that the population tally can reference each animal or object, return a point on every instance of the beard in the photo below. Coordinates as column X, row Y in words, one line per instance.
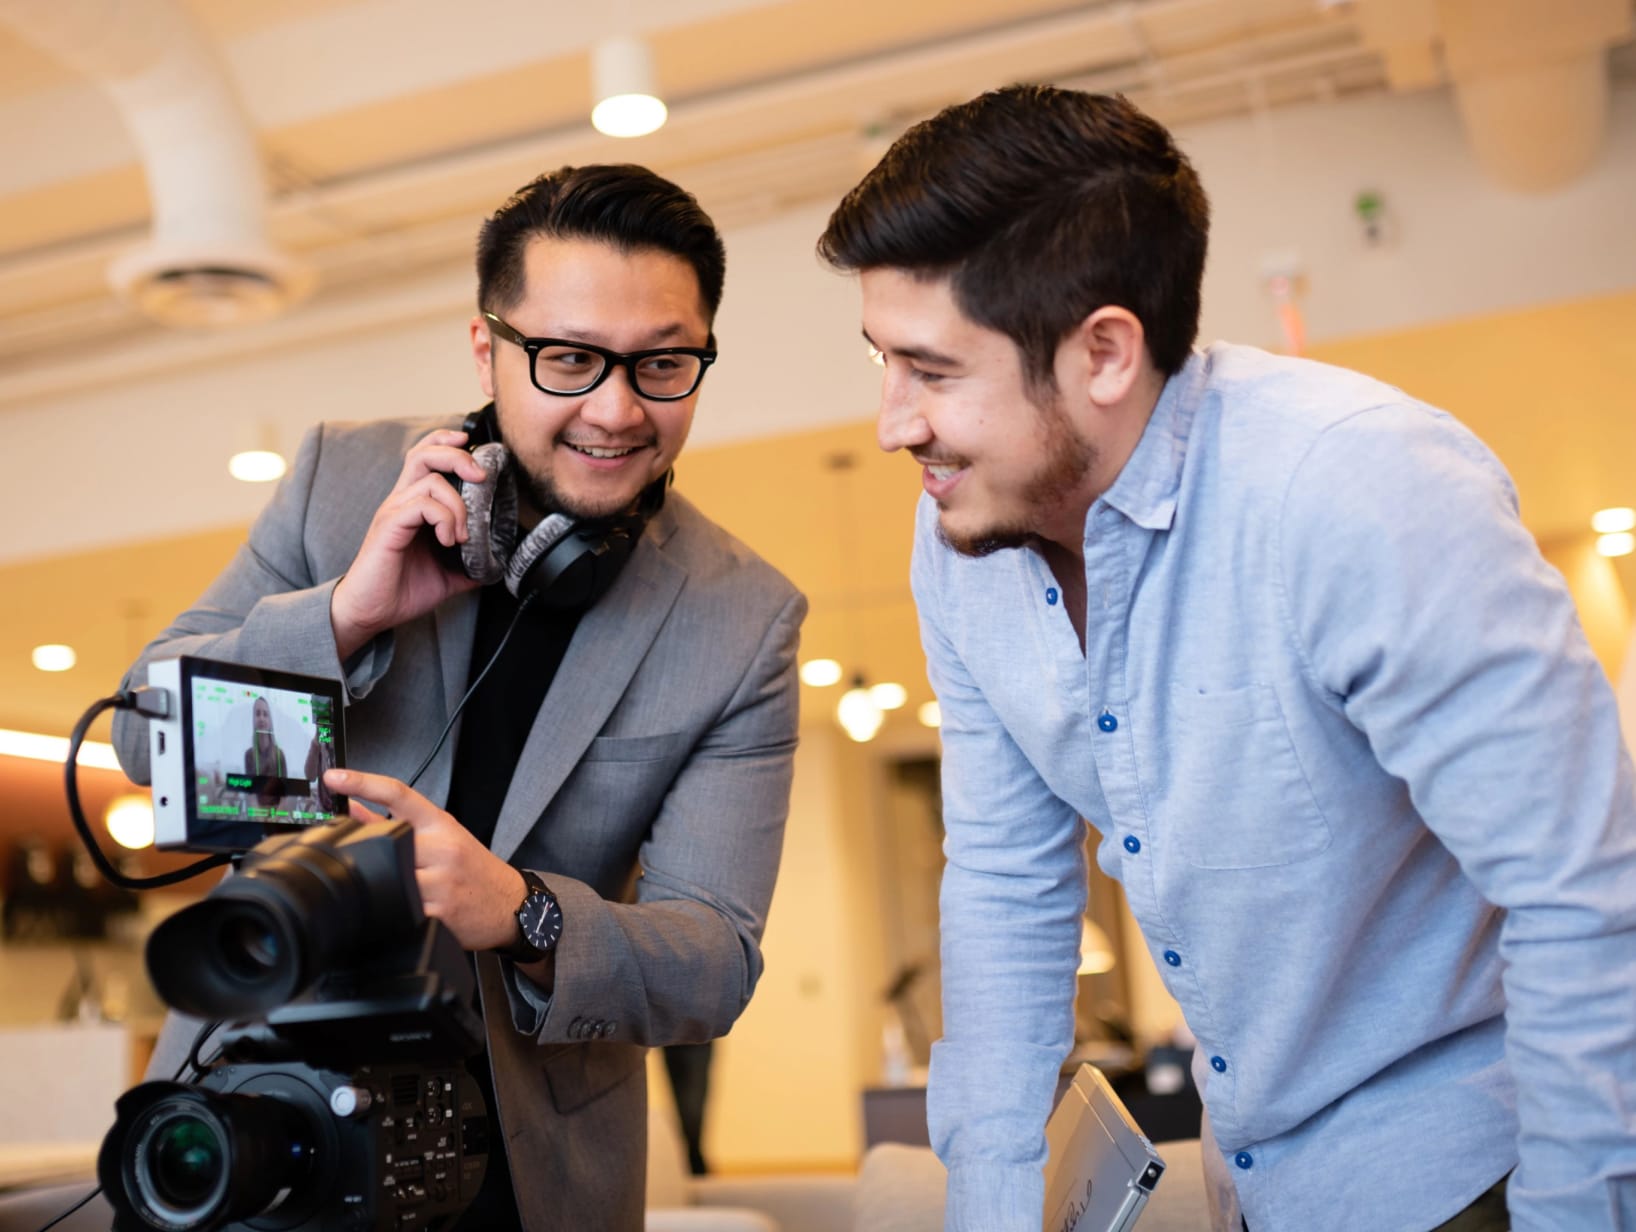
column 540, row 492
column 1065, row 460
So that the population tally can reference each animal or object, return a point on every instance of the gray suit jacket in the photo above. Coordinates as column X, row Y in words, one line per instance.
column 651, row 794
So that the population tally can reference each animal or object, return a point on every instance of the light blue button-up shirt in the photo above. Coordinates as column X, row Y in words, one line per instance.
column 1363, row 784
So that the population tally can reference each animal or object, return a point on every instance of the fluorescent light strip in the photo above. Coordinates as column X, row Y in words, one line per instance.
column 95, row 753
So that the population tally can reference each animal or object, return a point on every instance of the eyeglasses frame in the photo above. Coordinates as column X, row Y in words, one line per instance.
column 611, row 360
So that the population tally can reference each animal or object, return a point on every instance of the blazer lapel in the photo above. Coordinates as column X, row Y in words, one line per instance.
column 611, row 641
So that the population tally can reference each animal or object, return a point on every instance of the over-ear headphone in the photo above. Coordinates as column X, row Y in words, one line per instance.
column 561, row 563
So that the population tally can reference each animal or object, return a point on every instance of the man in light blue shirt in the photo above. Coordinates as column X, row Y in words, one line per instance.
column 1275, row 630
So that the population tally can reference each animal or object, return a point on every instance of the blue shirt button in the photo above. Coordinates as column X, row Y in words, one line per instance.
column 1132, row 844
column 1173, row 958
column 1244, row 1160
column 1107, row 722
column 1051, row 595
column 1219, row 1064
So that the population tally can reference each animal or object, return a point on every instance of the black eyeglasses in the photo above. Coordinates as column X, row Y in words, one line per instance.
column 565, row 368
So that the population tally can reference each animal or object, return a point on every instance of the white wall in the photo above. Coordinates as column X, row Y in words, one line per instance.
column 1286, row 182
column 109, row 458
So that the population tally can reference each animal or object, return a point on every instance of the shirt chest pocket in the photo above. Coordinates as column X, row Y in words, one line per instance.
column 1235, row 796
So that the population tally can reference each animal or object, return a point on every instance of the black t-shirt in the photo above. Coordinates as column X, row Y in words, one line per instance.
column 493, row 730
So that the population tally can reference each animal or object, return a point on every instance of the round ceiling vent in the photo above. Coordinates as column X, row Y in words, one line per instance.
column 209, row 291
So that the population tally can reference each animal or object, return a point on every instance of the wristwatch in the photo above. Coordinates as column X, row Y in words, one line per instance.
column 539, row 922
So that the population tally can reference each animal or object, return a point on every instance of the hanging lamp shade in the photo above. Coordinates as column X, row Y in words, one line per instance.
column 626, row 104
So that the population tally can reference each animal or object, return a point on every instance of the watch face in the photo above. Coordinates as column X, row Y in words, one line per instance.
column 541, row 920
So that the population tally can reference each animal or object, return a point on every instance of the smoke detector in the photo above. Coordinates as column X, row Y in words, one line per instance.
column 209, row 289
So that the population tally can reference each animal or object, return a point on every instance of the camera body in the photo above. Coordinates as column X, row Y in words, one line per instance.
column 340, row 1102
column 293, row 1146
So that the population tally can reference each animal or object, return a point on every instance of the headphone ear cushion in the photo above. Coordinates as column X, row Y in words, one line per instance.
column 535, row 550
column 491, row 516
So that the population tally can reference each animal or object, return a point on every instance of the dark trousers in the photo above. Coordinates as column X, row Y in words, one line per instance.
column 1486, row 1214
column 689, row 1068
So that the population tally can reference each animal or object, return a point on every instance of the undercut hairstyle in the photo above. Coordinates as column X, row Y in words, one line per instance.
column 623, row 205
column 1040, row 205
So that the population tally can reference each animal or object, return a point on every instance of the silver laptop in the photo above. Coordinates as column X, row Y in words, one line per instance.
column 1101, row 1168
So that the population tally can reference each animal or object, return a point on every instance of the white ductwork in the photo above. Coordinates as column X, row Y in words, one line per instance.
column 1530, row 77
column 1537, row 127
column 208, row 260
column 1531, row 81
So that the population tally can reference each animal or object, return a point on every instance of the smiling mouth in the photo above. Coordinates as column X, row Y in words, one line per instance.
column 604, row 451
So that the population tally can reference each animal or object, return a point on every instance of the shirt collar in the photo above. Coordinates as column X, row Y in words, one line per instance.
column 1145, row 491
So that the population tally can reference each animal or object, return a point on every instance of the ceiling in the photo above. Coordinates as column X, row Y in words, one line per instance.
column 388, row 128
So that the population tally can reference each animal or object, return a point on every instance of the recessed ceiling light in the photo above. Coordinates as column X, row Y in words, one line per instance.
column 931, row 714
column 820, row 673
column 256, row 466
column 1609, row 521
column 1621, row 543
column 54, row 657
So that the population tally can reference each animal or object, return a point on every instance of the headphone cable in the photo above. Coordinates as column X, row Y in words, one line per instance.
column 487, row 667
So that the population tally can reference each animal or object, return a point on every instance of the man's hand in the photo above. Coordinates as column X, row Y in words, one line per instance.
column 462, row 882
column 396, row 575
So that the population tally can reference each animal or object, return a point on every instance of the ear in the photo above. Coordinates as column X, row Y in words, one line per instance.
column 482, row 354
column 1112, row 355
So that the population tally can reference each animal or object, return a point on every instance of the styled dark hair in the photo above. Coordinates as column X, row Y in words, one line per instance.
column 623, row 205
column 1040, row 205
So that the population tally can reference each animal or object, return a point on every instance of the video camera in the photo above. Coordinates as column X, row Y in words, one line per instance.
column 339, row 1101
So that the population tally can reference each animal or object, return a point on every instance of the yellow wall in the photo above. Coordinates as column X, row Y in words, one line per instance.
column 1552, row 390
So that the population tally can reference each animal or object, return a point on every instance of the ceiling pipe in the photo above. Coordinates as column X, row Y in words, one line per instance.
column 1531, row 82
column 1537, row 128
column 1530, row 77
column 208, row 260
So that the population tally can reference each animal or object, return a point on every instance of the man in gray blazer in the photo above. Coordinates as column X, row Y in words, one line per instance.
column 626, row 760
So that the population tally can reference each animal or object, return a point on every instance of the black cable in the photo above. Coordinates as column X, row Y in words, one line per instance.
column 120, row 701
column 193, row 1061
column 95, row 1190
column 487, row 667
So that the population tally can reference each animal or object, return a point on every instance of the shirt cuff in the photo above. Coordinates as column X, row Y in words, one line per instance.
column 368, row 664
column 985, row 1197
column 529, row 1006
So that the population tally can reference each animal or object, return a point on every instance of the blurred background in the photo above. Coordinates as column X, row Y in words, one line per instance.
column 222, row 221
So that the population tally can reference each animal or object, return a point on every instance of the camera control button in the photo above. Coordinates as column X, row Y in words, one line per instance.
column 350, row 1101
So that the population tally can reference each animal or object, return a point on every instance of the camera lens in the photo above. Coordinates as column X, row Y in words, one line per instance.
column 300, row 905
column 184, row 1161
column 250, row 946
column 188, row 1159
column 179, row 1163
